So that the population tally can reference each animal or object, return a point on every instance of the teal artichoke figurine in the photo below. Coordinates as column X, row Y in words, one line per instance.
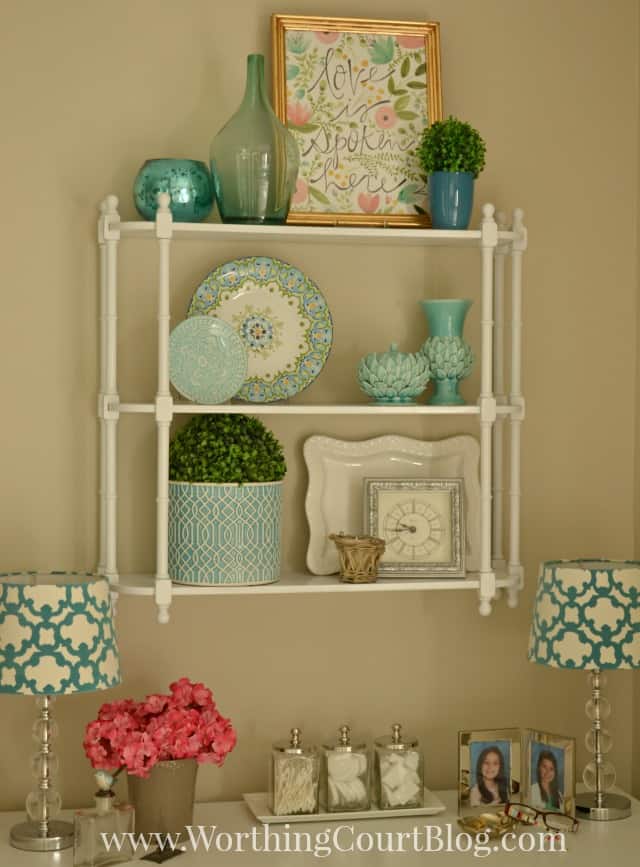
column 393, row 376
column 449, row 357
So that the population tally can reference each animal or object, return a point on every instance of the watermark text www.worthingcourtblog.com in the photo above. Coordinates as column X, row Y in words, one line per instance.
column 340, row 839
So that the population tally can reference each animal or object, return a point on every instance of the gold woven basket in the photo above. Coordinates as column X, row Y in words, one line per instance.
column 359, row 557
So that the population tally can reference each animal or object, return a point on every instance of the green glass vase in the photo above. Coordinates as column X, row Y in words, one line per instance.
column 254, row 158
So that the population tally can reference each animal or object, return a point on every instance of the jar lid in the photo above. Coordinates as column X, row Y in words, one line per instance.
column 344, row 744
column 396, row 740
column 294, row 744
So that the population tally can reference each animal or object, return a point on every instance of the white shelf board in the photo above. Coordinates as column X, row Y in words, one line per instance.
column 314, row 409
column 297, row 583
column 313, row 234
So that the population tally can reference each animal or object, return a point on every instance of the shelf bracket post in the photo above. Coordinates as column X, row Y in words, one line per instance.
column 497, row 556
column 108, row 403
column 519, row 246
column 164, row 408
column 487, row 404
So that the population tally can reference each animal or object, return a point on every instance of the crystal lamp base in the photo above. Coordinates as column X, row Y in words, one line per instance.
column 27, row 836
column 613, row 807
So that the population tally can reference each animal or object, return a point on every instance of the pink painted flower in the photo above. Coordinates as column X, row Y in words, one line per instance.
column 181, row 725
column 326, row 36
column 201, row 695
column 301, row 193
column 298, row 113
column 368, row 203
column 386, row 117
column 410, row 41
column 155, row 703
column 182, row 691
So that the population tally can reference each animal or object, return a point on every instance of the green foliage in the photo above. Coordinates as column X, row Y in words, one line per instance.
column 452, row 146
column 224, row 448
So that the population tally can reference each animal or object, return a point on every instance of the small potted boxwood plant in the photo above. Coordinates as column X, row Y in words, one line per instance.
column 225, row 501
column 452, row 153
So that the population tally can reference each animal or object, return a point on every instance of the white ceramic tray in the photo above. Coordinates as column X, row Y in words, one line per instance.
column 338, row 468
column 258, row 803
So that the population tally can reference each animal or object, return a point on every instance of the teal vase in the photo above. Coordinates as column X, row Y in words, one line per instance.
column 450, row 358
column 188, row 183
column 254, row 158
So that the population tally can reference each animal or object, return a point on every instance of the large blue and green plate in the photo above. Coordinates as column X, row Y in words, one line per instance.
column 281, row 316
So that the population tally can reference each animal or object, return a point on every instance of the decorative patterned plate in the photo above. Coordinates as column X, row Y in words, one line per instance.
column 338, row 468
column 207, row 360
column 281, row 316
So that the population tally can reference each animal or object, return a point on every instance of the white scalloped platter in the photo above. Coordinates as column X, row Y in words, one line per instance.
column 258, row 803
column 338, row 468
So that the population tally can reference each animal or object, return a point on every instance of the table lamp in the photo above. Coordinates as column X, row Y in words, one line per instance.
column 587, row 616
column 56, row 638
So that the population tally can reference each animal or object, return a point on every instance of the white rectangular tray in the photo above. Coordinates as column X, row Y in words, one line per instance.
column 338, row 468
column 258, row 803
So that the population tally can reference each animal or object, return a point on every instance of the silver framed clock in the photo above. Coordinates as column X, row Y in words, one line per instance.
column 422, row 523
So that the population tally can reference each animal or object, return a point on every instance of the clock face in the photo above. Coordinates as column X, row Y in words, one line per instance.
column 415, row 525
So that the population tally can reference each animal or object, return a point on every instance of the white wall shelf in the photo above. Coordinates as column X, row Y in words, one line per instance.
column 314, row 409
column 497, row 404
column 307, row 234
column 296, row 583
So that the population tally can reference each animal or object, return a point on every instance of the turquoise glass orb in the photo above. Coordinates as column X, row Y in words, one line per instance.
column 188, row 183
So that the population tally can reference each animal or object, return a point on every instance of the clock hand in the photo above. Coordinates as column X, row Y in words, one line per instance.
column 407, row 527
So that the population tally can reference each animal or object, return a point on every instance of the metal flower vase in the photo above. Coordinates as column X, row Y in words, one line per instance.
column 254, row 158
column 450, row 358
column 164, row 800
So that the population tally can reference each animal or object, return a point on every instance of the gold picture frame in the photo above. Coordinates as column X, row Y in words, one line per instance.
column 357, row 94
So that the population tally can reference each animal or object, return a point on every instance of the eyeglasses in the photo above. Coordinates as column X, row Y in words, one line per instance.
column 529, row 816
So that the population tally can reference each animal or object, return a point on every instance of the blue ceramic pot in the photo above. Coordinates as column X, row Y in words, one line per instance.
column 224, row 534
column 450, row 199
column 188, row 182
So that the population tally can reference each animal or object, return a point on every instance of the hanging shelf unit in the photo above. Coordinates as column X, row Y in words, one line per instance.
column 496, row 404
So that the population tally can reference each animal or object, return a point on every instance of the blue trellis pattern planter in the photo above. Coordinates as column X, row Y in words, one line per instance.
column 224, row 534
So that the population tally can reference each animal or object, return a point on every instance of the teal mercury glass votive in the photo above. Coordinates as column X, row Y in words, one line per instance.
column 188, row 183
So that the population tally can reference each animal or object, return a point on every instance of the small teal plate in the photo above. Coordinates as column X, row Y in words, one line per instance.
column 281, row 317
column 207, row 360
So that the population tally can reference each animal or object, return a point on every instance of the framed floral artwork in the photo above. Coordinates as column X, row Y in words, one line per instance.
column 357, row 95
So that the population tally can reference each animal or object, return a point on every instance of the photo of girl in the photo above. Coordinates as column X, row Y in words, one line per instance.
column 546, row 774
column 490, row 782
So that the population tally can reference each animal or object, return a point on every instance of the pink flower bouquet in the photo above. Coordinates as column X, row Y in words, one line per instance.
column 182, row 725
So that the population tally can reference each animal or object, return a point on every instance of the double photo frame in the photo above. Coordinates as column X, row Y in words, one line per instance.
column 525, row 765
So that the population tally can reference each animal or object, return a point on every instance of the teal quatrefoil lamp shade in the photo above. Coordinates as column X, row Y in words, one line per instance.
column 587, row 616
column 56, row 638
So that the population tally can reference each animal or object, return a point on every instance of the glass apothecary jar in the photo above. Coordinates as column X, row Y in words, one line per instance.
column 398, row 771
column 345, row 775
column 95, row 829
column 294, row 777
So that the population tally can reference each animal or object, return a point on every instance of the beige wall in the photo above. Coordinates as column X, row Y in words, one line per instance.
column 90, row 91
column 635, row 722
